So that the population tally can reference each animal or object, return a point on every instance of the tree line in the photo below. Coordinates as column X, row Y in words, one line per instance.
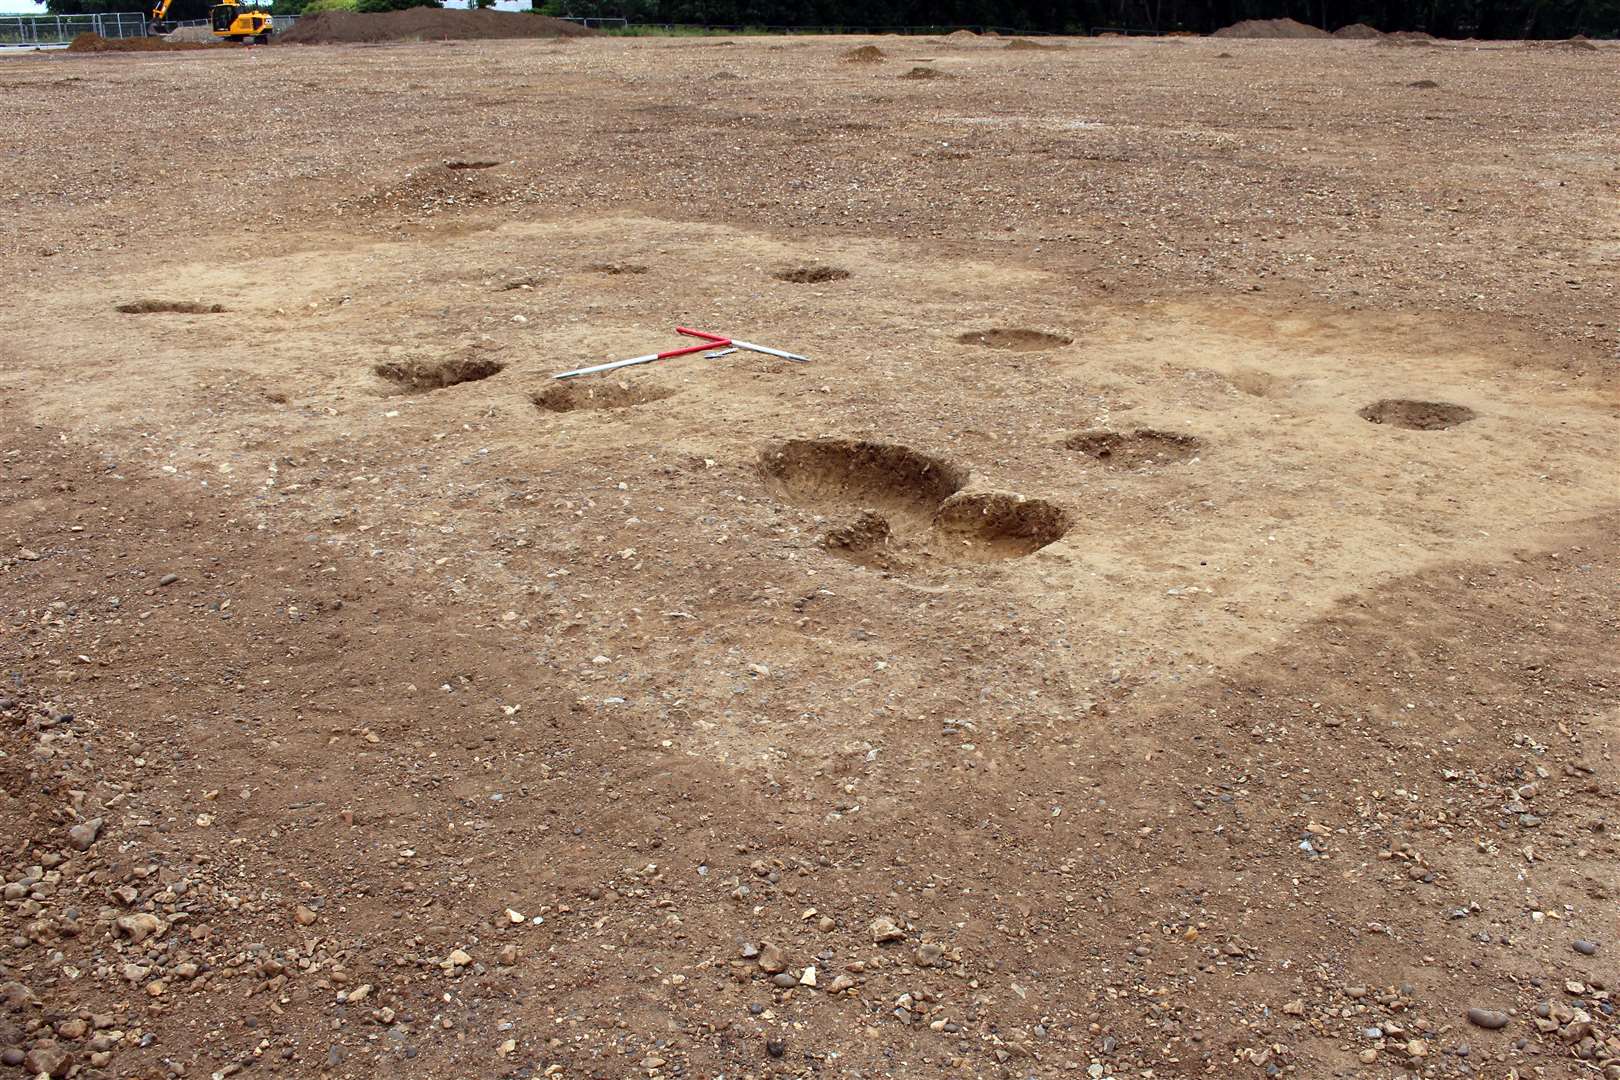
column 1443, row 18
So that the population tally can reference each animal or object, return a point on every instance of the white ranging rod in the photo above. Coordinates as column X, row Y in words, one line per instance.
column 710, row 341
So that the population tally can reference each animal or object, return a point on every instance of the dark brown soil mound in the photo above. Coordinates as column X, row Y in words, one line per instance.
column 1417, row 415
column 924, row 73
column 174, row 307
column 1016, row 340
column 425, row 24
column 811, row 275
column 1358, row 32
column 419, row 376
column 1271, row 28
column 866, row 54
column 1424, row 84
column 95, row 43
column 1023, row 45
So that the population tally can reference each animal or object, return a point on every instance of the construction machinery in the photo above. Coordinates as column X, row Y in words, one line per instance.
column 228, row 20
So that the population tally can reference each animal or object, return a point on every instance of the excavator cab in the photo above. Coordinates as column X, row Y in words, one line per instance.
column 230, row 21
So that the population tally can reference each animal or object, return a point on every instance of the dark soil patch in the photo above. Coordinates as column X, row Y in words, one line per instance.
column 425, row 24
column 811, row 275
column 419, row 376
column 523, row 284
column 866, row 54
column 904, row 484
column 575, row 396
column 95, row 43
column 1424, row 84
column 1015, row 340
column 1023, row 45
column 1417, row 415
column 1223, row 56
column 615, row 269
column 1133, row 449
column 924, row 73
column 991, row 526
column 470, row 164
column 175, row 307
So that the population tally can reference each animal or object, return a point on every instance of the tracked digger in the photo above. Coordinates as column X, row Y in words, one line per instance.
column 228, row 19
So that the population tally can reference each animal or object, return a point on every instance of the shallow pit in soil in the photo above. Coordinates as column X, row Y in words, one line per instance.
column 419, row 376
column 991, row 526
column 1015, row 340
column 905, row 484
column 1133, row 449
column 616, row 269
column 577, row 396
column 175, row 307
column 458, row 166
column 811, row 275
column 1417, row 415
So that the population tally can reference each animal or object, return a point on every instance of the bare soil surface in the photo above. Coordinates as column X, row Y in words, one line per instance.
column 1168, row 629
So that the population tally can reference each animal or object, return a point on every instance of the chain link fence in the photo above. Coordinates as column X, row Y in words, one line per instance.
column 45, row 30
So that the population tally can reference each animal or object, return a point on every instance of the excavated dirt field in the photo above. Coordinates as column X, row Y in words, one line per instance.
column 1170, row 628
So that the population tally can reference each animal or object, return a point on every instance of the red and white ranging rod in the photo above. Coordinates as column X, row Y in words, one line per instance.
column 710, row 341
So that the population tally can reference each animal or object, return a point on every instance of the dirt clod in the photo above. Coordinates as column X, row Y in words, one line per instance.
column 868, row 531
column 924, row 73
column 811, row 275
column 865, row 54
column 175, row 307
column 418, row 376
column 1417, row 415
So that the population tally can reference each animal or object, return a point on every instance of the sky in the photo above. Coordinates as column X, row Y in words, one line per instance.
column 22, row 7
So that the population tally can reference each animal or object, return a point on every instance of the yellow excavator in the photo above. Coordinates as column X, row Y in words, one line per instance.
column 228, row 19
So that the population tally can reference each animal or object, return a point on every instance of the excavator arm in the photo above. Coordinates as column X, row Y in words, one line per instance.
column 160, row 10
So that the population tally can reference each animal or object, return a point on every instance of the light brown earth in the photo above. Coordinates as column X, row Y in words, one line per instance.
column 1059, row 664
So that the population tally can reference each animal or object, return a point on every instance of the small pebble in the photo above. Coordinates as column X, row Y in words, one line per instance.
column 1585, row 947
